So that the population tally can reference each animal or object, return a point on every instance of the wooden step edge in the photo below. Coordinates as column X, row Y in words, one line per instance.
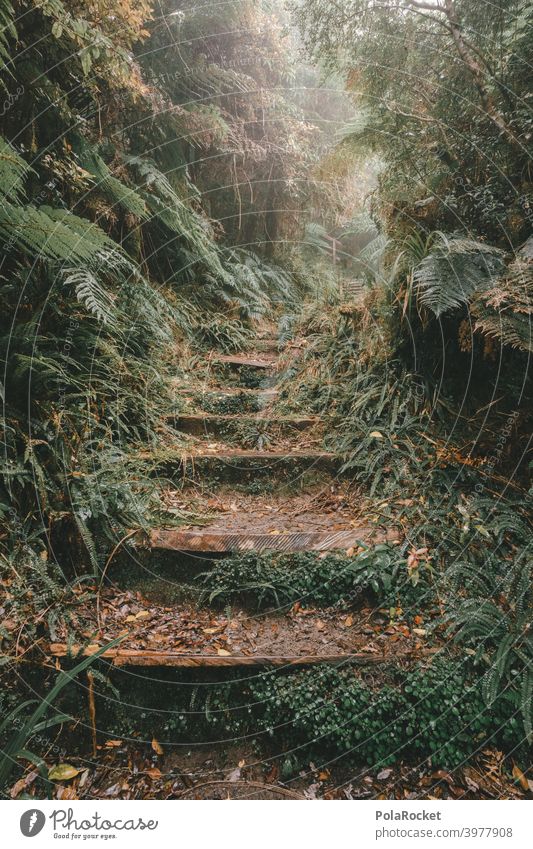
column 239, row 454
column 243, row 362
column 194, row 420
column 224, row 542
column 228, row 391
column 148, row 658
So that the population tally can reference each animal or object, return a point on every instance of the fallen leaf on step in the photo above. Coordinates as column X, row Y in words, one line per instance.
column 384, row 774
column 519, row 776
column 223, row 653
column 66, row 793
column 62, row 772
column 23, row 784
column 157, row 747
column 154, row 772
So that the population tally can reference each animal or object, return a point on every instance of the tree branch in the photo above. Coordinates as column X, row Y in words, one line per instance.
column 477, row 72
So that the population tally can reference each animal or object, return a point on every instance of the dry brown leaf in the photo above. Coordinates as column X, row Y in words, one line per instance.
column 157, row 747
column 66, row 793
column 154, row 773
column 519, row 776
column 23, row 784
column 384, row 774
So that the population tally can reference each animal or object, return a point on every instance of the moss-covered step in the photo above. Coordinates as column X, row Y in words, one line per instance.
column 230, row 401
column 242, row 466
column 248, row 371
column 237, row 426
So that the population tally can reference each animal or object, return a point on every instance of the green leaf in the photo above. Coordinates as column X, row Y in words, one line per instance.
column 62, row 772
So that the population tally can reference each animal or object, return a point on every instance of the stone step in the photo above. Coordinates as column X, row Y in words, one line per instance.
column 211, row 423
column 144, row 657
column 218, row 542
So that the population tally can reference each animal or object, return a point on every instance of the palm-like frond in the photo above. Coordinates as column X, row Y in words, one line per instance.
column 7, row 29
column 505, row 312
column 316, row 237
column 454, row 270
column 91, row 293
column 13, row 171
column 176, row 214
column 117, row 191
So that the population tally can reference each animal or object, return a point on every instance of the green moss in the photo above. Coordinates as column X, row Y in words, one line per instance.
column 431, row 711
column 282, row 579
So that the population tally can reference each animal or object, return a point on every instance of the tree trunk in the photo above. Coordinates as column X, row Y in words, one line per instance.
column 477, row 73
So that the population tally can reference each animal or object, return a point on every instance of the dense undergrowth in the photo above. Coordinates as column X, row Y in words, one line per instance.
column 115, row 264
column 275, row 581
column 432, row 711
column 131, row 245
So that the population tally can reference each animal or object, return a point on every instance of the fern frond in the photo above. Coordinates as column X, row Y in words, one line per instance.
column 13, row 170
column 56, row 235
column 117, row 191
column 92, row 294
column 454, row 270
column 7, row 30
column 505, row 312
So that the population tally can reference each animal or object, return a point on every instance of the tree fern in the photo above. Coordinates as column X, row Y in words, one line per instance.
column 56, row 235
column 117, row 191
column 316, row 237
column 92, row 294
column 166, row 206
column 13, row 171
column 454, row 270
column 505, row 311
column 7, row 30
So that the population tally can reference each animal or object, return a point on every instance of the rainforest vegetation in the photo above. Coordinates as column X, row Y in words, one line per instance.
column 267, row 271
